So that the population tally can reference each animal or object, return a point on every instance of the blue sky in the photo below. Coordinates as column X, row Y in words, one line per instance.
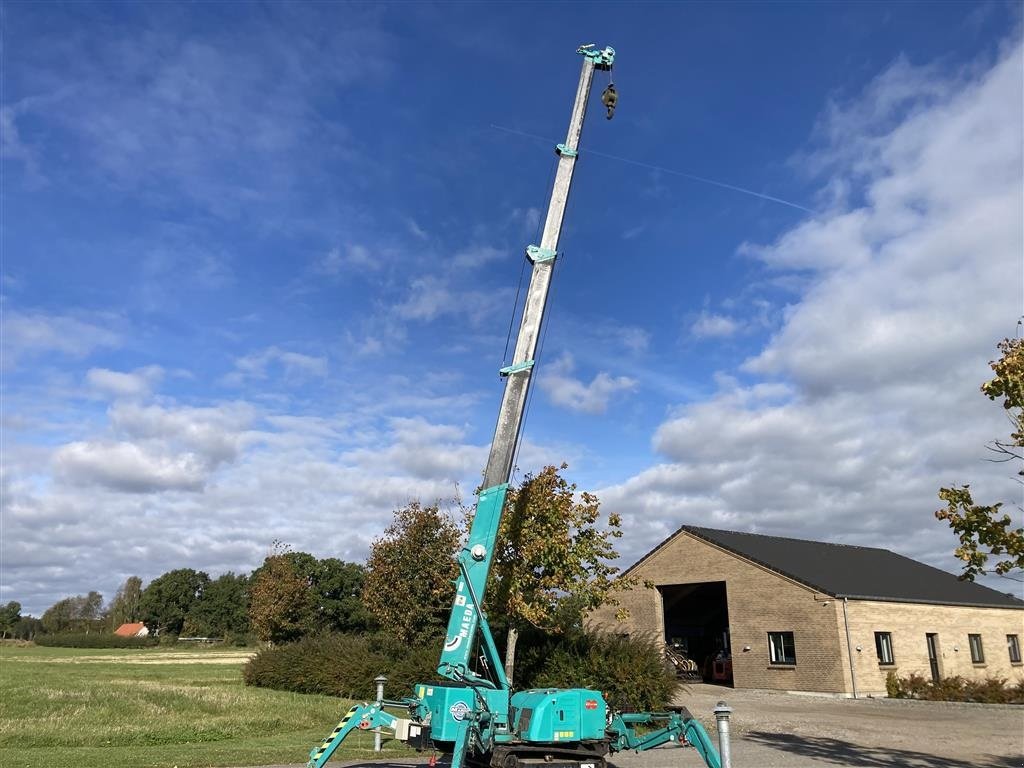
column 259, row 264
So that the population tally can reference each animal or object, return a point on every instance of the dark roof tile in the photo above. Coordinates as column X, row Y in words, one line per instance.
column 865, row 573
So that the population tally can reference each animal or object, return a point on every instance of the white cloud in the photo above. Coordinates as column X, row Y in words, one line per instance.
column 566, row 391
column 416, row 230
column 476, row 256
column 293, row 364
column 119, row 384
column 526, row 221
column 709, row 325
column 877, row 365
column 432, row 297
column 127, row 467
column 212, row 487
column 352, row 257
column 31, row 333
column 216, row 434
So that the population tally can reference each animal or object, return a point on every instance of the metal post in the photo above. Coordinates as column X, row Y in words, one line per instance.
column 849, row 650
column 722, row 712
column 379, row 680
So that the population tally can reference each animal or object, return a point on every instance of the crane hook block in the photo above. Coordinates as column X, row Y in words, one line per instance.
column 610, row 98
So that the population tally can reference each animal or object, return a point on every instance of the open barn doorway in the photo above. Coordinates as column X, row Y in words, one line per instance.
column 697, row 629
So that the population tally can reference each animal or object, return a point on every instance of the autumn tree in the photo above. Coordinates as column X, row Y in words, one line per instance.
column 553, row 561
column 410, row 573
column 125, row 607
column 167, row 600
column 983, row 529
column 281, row 606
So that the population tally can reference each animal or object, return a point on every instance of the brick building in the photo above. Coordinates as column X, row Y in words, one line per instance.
column 797, row 615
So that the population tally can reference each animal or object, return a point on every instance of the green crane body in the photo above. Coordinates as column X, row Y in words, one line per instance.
column 478, row 719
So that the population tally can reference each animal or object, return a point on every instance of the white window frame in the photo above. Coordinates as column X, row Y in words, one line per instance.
column 883, row 649
column 777, row 648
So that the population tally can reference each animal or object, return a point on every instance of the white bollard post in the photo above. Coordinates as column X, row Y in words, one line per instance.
column 379, row 680
column 722, row 713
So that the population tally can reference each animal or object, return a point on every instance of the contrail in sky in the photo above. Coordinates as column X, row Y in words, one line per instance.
column 662, row 169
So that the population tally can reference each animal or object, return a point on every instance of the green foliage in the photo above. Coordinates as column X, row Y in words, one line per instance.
column 553, row 562
column 983, row 531
column 629, row 671
column 1008, row 385
column 10, row 615
column 410, row 572
column 222, row 610
column 125, row 608
column 892, row 685
column 166, row 602
column 992, row 690
column 297, row 595
column 74, row 614
column 27, row 628
column 338, row 596
column 342, row 665
column 94, row 640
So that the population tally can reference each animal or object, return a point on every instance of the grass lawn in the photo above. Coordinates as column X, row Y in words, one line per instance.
column 183, row 707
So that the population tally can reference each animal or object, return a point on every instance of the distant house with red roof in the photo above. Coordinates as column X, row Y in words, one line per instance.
column 133, row 629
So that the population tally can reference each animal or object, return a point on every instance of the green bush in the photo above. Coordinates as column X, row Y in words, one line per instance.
column 93, row 640
column 892, row 686
column 630, row 672
column 992, row 690
column 342, row 665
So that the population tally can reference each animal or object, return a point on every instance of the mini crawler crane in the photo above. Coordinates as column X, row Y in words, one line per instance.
column 478, row 719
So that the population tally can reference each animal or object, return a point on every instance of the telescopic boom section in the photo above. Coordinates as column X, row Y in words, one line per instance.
column 475, row 558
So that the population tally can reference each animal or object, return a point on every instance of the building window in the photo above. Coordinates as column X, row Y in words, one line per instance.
column 883, row 647
column 1013, row 646
column 977, row 653
column 781, row 648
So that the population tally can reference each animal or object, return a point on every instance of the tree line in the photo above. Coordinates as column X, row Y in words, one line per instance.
column 187, row 602
column 554, row 563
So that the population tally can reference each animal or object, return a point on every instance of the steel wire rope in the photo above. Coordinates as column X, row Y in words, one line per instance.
column 670, row 171
column 545, row 324
column 522, row 270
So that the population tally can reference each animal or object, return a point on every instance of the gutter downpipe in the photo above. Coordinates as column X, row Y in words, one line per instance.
column 849, row 649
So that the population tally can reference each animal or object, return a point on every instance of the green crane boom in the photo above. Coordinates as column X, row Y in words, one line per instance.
column 477, row 718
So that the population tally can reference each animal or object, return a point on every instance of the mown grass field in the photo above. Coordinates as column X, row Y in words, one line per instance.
column 64, row 708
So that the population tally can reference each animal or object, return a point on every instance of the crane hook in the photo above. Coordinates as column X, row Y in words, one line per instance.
column 610, row 98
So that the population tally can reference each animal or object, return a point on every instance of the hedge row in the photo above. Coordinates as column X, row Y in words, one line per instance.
column 95, row 640
column 342, row 665
column 993, row 690
column 630, row 672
